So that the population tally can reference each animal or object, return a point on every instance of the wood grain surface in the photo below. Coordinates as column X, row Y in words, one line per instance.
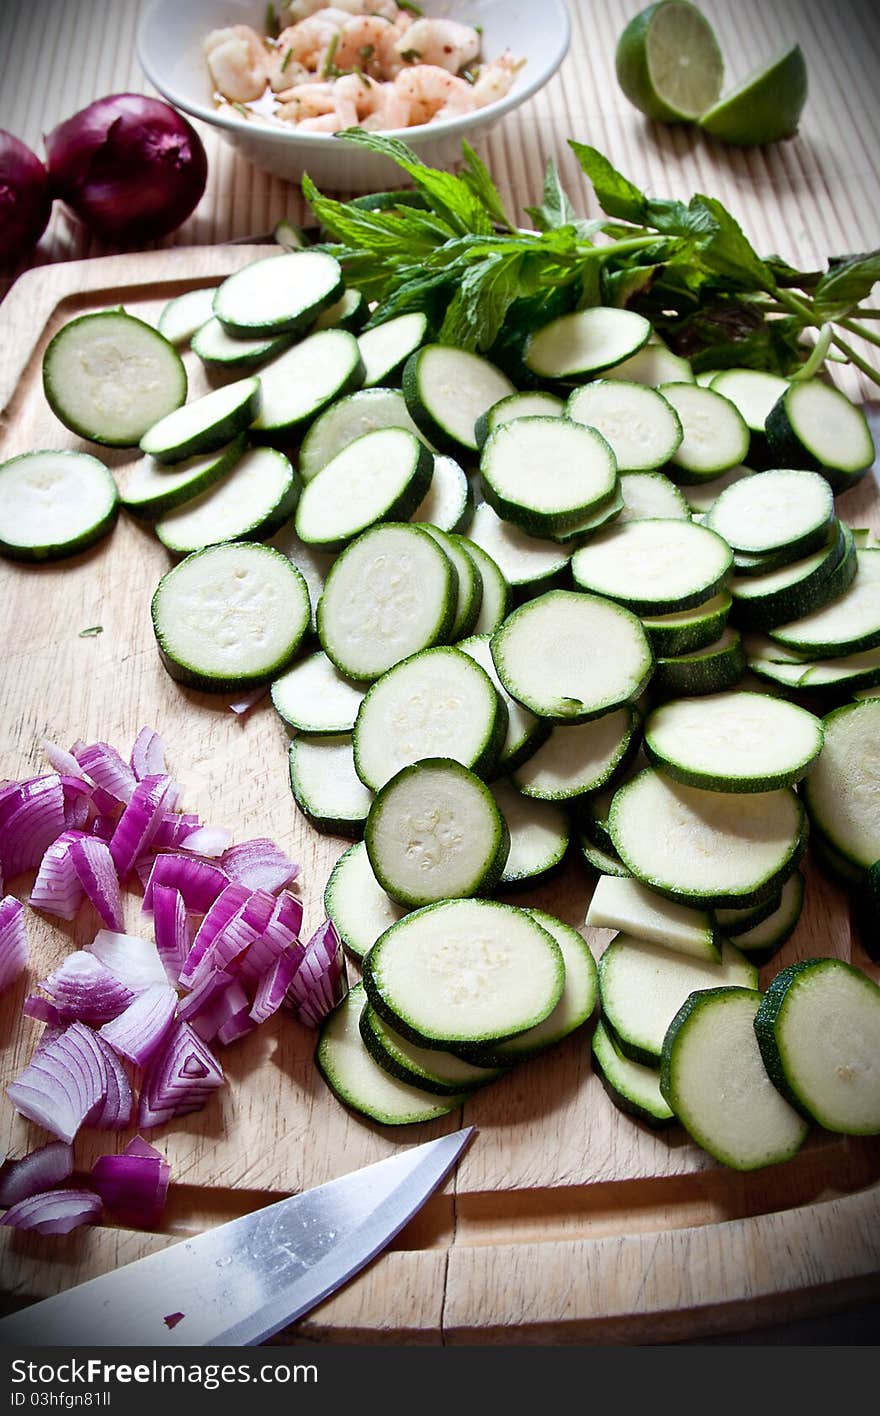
column 566, row 1221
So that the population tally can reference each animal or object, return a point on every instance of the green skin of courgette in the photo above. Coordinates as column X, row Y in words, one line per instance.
column 788, row 451
column 829, row 579
column 295, row 324
column 351, row 829
column 867, row 911
column 164, row 502
column 693, row 675
column 270, row 523
column 601, row 860
column 770, row 1015
column 760, row 562
column 668, row 641
column 353, row 382
column 215, row 436
column 395, row 1068
column 624, row 1102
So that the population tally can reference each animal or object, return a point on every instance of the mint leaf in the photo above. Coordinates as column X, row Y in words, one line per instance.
column 615, row 194
column 847, row 284
column 728, row 251
column 384, row 233
column 481, row 303
column 556, row 208
column 449, row 196
column 477, row 178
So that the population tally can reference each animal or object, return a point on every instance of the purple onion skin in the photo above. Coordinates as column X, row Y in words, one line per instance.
column 25, row 199
column 130, row 167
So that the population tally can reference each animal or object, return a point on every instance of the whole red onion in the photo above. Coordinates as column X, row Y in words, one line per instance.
column 130, row 167
column 25, row 199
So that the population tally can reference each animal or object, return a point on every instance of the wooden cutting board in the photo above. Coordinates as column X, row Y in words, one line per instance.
column 566, row 1221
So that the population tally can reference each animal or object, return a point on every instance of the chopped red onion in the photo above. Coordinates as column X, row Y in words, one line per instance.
column 139, row 822
column 320, row 981
column 199, row 882
column 13, row 941
column 50, row 1032
column 179, row 1079
column 282, row 930
column 78, row 798
column 172, row 1319
column 140, row 1030
column 223, row 909
column 148, row 755
column 83, row 990
column 238, row 1026
column 106, row 768
column 61, row 761
column 231, row 942
column 274, row 984
column 134, row 961
column 42, row 1011
column 58, row 888
column 114, row 1113
column 207, row 841
column 42, row 1169
column 102, row 826
column 211, row 1006
column 242, row 706
column 133, row 1185
column 93, row 863
column 259, row 864
column 63, row 1082
column 172, row 928
column 174, row 828
column 54, row 1211
column 31, row 818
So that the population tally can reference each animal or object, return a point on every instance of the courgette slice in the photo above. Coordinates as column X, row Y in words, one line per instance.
column 585, row 342
column 438, row 703
column 54, row 505
column 578, row 474
column 447, row 390
column 358, row 1081
column 469, row 582
column 435, row 833
column 715, row 436
column 315, row 698
column 435, row 1071
column 382, row 476
column 447, row 502
column 648, row 495
column 712, row 669
column 150, row 489
column 781, row 508
column 185, row 314
column 420, row 976
column 749, row 843
column 849, row 624
column 814, row 425
column 764, row 939
column 529, row 564
column 109, row 377
column 205, row 424
column 386, row 347
column 391, row 593
column 630, row 908
column 218, row 349
column 517, row 405
column 539, row 836
column 632, row 1087
column 325, row 785
column 818, row 1028
column 347, row 419
column 571, row 657
column 643, row 985
column 525, row 732
column 497, row 596
column 798, row 589
column 254, row 498
column 640, row 426
column 230, row 617
column 685, row 631
column 654, row 567
column 733, row 742
column 578, row 759
column 356, row 904
column 281, row 294
column 840, row 791
column 300, row 383
column 653, row 365
column 714, row 1079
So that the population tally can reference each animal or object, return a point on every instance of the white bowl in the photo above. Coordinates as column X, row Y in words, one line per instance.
column 170, row 53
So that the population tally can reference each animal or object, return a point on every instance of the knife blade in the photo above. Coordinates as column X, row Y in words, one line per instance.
column 243, row 1281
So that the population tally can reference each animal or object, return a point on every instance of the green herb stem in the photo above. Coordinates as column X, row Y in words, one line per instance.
column 855, row 328
column 857, row 359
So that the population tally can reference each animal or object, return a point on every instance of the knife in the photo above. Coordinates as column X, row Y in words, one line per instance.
column 240, row 1283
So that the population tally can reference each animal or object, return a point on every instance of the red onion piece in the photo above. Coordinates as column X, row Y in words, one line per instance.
column 199, row 882
column 173, row 829
column 42, row 1169
column 148, row 755
column 130, row 167
column 207, row 841
column 242, row 706
column 64, row 1081
column 320, row 981
column 211, row 1006
column 238, row 1026
column 172, row 928
column 140, row 1030
column 83, row 990
column 179, row 1079
column 274, row 984
column 58, row 888
column 13, row 941
column 133, row 1185
column 25, row 199
column 231, row 942
column 282, row 930
column 31, row 818
column 134, row 961
column 43, row 1011
column 139, row 822
column 103, row 827
column 106, row 768
column 93, row 863
column 224, row 908
column 259, row 864
column 61, row 761
column 54, row 1211
column 172, row 1319
column 114, row 1112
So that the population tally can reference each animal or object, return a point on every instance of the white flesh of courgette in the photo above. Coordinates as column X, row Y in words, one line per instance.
column 185, row 314
column 445, row 503
column 386, row 347
column 54, row 503
column 702, row 496
column 278, row 293
column 631, row 908
column 347, row 419
column 359, row 486
column 324, row 781
column 773, row 509
column 577, row 758
column 523, row 727
column 356, row 903
column 236, row 507
column 654, row 566
column 522, row 559
column 715, row 436
column 752, row 391
column 653, row 365
column 314, row 697
column 848, row 624
column 842, row 791
column 539, row 834
column 648, row 495
column 299, row 383
column 641, row 427
column 634, row 1087
column 734, row 741
column 585, row 342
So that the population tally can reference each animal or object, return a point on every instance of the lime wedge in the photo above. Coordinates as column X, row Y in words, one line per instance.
column 668, row 62
column 765, row 108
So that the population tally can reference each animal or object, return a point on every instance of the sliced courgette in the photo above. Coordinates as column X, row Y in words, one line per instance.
column 281, row 294
column 547, row 474
column 641, row 427
column 356, row 903
column 325, row 785
column 654, row 567
column 733, row 742
column 54, row 505
column 205, row 424
column 841, row 789
column 447, row 390
column 632, row 1087
column 254, row 498
column 382, row 476
column 315, row 698
column 585, row 342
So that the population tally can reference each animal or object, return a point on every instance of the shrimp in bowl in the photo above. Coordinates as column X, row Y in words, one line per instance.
column 336, row 64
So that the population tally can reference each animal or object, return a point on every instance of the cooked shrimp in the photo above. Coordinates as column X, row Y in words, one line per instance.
column 309, row 40
column 391, row 110
column 296, row 10
column 284, row 72
column 239, row 63
column 327, row 123
column 433, row 92
column 444, row 44
column 367, row 43
column 494, row 80
column 306, row 101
